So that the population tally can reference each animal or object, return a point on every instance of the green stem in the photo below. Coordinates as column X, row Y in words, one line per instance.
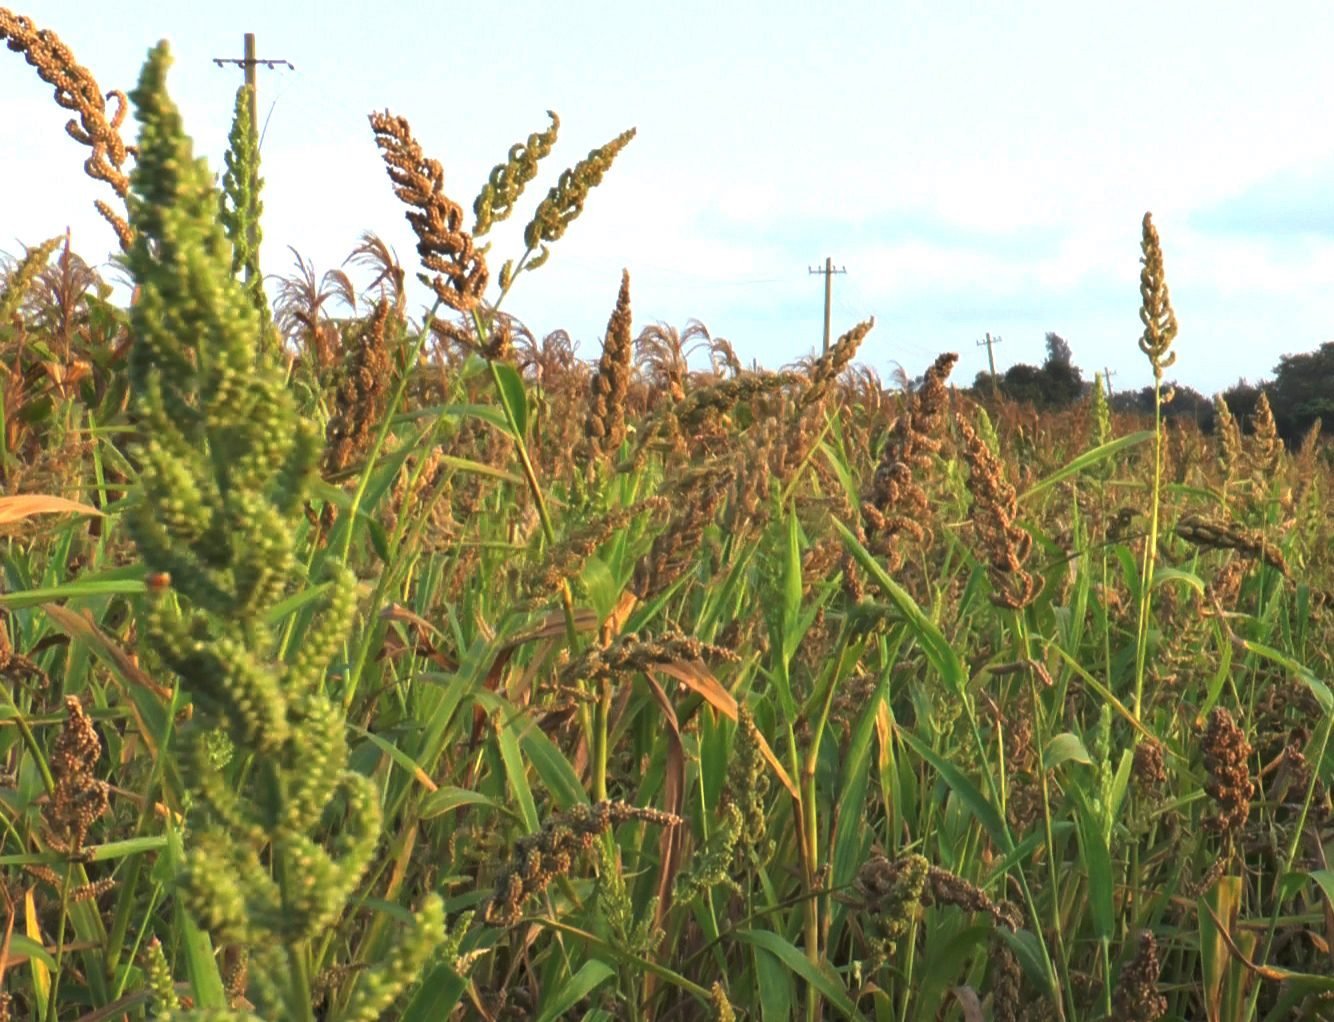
column 1150, row 558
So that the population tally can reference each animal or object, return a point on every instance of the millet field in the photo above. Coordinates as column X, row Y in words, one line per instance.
column 401, row 664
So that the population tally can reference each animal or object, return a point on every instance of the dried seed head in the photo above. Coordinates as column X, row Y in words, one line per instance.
column 1205, row 532
column 567, row 558
column 1160, row 322
column 1150, row 771
column 604, row 429
column 698, row 495
column 1226, row 756
column 361, row 394
column 78, row 92
column 945, row 888
column 1137, row 998
column 895, row 505
column 891, row 890
column 995, row 506
column 629, row 653
column 79, row 797
column 1229, row 437
column 1266, row 447
column 829, row 366
column 442, row 243
column 1006, row 977
column 540, row 858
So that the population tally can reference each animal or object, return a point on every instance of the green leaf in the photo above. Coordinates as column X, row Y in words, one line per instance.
column 517, row 773
column 1308, row 677
column 600, row 585
column 977, row 802
column 1065, row 747
column 554, row 769
column 447, row 799
column 1097, row 863
column 1164, row 574
column 76, row 591
column 130, row 846
column 23, row 945
column 590, row 976
column 513, row 394
column 201, row 965
column 1324, row 878
column 829, row 986
column 1087, row 460
column 792, row 589
column 850, row 833
column 778, row 994
column 937, row 648
column 437, row 995
column 1027, row 948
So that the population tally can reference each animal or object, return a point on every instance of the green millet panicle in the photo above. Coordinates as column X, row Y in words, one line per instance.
column 506, row 183
column 225, row 462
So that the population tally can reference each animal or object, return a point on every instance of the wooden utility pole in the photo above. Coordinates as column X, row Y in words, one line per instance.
column 1107, row 375
column 828, row 272
column 990, row 342
column 248, row 63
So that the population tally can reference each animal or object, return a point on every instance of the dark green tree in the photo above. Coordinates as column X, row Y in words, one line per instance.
column 1303, row 391
column 1062, row 381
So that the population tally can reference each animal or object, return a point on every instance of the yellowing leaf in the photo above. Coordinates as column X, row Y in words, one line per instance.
column 15, row 509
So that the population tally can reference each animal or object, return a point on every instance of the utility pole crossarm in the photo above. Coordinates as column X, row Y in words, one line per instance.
column 248, row 63
column 828, row 272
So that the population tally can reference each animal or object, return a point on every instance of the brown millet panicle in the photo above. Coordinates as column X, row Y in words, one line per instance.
column 895, row 504
column 1006, row 977
column 698, row 494
column 945, row 888
column 827, row 367
column 1265, row 450
column 1160, row 322
column 995, row 506
column 1137, row 998
column 442, row 242
column 567, row 558
column 361, row 393
column 1229, row 438
column 1226, row 755
column 1149, row 768
column 1204, row 532
column 604, row 429
column 540, row 858
column 629, row 652
column 79, row 797
column 78, row 92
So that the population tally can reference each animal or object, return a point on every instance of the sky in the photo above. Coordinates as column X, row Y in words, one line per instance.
column 977, row 168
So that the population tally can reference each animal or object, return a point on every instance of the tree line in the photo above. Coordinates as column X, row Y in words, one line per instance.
column 1300, row 391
